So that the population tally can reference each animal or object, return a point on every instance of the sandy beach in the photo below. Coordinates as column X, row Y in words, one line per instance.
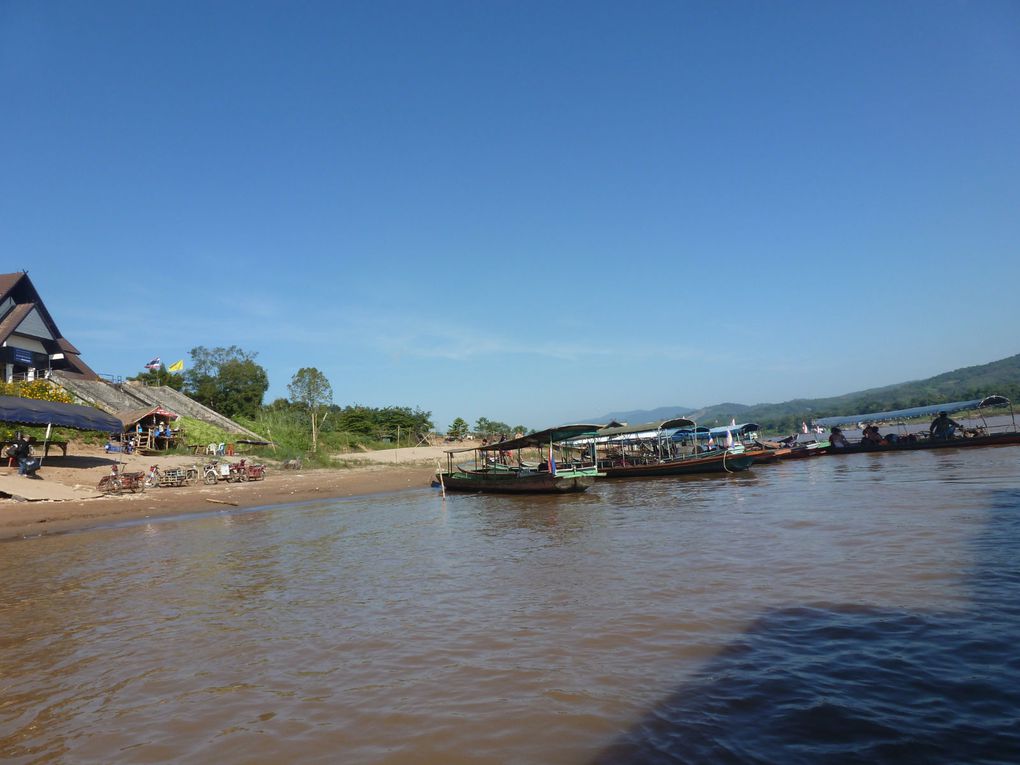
column 64, row 497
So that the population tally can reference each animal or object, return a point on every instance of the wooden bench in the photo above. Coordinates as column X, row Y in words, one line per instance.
column 62, row 445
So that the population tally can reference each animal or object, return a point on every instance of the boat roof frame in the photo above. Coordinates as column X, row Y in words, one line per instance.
column 539, row 438
column 917, row 411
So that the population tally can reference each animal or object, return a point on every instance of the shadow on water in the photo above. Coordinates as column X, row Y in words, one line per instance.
column 851, row 684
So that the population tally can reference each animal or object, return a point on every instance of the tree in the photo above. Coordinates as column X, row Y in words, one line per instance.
column 458, row 429
column 227, row 380
column 242, row 384
column 310, row 387
column 487, row 427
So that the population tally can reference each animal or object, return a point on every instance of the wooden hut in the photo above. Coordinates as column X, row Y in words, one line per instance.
column 154, row 429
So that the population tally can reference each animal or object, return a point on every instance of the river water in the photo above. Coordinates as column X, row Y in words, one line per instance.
column 858, row 608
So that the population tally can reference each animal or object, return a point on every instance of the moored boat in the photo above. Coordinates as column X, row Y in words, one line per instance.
column 905, row 440
column 671, row 447
column 499, row 468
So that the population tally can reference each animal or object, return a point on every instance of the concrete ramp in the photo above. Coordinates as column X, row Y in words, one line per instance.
column 107, row 396
column 41, row 490
column 120, row 397
column 176, row 401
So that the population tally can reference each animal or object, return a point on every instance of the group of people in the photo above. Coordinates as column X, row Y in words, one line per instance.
column 21, row 450
column 942, row 427
column 162, row 430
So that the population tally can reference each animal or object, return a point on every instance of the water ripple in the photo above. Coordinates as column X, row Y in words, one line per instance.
column 853, row 609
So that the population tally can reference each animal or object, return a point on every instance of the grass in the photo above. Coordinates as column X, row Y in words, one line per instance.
column 291, row 433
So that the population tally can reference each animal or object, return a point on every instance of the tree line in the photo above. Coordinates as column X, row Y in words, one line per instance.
column 230, row 381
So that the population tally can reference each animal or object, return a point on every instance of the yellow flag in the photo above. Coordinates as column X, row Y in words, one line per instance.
column 177, row 366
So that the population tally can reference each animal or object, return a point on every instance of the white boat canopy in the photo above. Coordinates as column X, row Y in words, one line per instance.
column 636, row 433
column 743, row 429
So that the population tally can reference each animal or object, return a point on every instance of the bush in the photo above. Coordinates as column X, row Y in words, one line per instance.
column 41, row 390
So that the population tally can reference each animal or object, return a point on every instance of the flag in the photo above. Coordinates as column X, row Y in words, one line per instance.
column 154, row 364
column 733, row 422
column 177, row 366
column 552, row 461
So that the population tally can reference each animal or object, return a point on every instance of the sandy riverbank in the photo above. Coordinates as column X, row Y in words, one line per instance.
column 31, row 507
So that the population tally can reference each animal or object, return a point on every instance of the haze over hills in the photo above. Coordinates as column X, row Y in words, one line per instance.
column 998, row 377
column 636, row 416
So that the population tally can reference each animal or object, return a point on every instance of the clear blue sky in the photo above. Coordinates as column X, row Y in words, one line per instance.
column 527, row 211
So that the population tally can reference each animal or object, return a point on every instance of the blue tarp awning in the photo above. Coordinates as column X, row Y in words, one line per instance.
column 30, row 411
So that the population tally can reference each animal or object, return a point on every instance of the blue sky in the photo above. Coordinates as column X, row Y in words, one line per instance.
column 527, row 211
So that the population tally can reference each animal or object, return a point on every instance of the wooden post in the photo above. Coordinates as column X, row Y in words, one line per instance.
column 442, row 484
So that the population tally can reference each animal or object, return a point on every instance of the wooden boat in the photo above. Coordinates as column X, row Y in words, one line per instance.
column 980, row 435
column 500, row 467
column 748, row 434
column 792, row 448
column 671, row 447
column 923, row 441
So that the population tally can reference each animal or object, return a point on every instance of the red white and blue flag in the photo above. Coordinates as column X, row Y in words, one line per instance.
column 552, row 461
column 154, row 364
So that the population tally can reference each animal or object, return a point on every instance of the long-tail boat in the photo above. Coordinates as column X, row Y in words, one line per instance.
column 904, row 440
column 670, row 447
column 501, row 468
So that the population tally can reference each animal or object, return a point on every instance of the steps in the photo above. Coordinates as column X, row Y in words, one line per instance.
column 118, row 397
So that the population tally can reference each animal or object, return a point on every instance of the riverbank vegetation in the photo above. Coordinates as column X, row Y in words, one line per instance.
column 230, row 381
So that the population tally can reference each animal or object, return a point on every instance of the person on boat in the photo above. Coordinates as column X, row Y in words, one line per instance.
column 837, row 440
column 943, row 426
column 871, row 436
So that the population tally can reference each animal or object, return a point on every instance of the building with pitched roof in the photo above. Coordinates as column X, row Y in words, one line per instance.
column 31, row 346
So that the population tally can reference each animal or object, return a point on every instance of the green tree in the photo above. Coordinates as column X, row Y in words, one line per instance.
column 357, row 419
column 226, row 380
column 310, row 387
column 241, row 386
column 486, row 427
column 458, row 429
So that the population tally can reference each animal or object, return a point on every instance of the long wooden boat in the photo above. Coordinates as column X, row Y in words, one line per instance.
column 981, row 435
column 719, row 461
column 496, row 470
column 923, row 442
column 518, row 481
column 670, row 447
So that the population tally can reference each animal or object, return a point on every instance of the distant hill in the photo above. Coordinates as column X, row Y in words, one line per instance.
column 1001, row 377
column 638, row 416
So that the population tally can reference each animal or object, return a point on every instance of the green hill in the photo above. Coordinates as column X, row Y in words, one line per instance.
column 999, row 377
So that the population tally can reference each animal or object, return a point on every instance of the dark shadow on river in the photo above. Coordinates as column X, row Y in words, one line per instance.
column 827, row 683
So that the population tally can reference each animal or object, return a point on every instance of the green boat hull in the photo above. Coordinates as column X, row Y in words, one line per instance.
column 513, row 482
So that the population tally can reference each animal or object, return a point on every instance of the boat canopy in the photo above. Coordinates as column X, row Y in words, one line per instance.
column 30, row 411
column 917, row 411
column 743, row 429
column 621, row 434
column 650, row 428
column 541, row 438
column 699, row 432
